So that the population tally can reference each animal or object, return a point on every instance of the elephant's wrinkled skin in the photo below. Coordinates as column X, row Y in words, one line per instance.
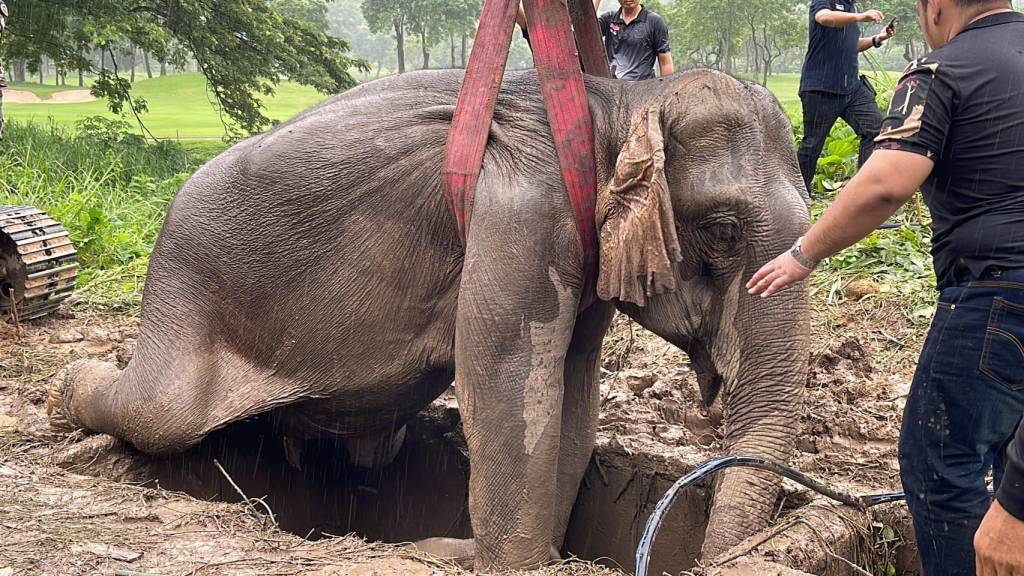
column 316, row 270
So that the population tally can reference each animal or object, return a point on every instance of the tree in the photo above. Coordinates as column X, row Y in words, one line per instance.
column 459, row 21
column 706, row 33
column 385, row 15
column 345, row 19
column 908, row 35
column 775, row 26
column 312, row 12
column 243, row 47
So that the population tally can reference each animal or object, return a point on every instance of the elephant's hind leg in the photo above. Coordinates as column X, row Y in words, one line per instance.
column 165, row 403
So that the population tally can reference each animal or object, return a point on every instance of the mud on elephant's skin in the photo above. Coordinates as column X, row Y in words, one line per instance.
column 315, row 272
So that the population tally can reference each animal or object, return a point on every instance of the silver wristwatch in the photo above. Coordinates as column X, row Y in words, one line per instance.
column 802, row 258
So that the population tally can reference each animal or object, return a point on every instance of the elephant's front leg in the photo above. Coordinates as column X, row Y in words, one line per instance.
column 514, row 327
column 580, row 408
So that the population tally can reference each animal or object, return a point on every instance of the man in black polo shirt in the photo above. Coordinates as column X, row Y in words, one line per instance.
column 956, row 130
column 634, row 39
column 830, row 84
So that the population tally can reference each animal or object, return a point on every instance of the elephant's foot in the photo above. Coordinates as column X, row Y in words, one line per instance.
column 72, row 387
column 459, row 551
column 375, row 450
column 455, row 550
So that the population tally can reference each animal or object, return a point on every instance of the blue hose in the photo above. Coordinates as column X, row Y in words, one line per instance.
column 643, row 552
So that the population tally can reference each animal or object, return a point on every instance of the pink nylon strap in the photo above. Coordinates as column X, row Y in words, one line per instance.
column 565, row 98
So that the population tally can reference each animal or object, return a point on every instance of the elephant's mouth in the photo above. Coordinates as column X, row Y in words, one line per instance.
column 423, row 492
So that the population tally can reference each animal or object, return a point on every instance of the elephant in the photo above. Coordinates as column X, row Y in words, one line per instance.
column 316, row 271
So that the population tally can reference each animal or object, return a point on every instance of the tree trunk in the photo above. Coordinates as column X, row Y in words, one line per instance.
column 426, row 50
column 463, row 49
column 380, row 64
column 131, row 64
column 19, row 70
column 400, row 44
column 145, row 62
column 81, row 78
column 42, row 70
column 163, row 68
column 451, row 43
column 103, row 59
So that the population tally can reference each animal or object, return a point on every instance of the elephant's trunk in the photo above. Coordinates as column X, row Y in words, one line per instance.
column 762, row 397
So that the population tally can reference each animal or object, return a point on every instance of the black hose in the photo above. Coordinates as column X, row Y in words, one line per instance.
column 643, row 552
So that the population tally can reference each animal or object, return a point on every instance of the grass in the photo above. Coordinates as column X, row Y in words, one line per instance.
column 179, row 106
column 786, row 88
column 44, row 91
column 108, row 187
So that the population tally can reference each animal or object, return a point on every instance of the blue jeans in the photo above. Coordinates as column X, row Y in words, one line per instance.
column 965, row 403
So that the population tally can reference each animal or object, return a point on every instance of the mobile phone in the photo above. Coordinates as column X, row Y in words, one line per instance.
column 891, row 22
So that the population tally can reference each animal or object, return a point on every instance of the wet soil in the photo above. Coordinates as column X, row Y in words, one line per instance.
column 652, row 430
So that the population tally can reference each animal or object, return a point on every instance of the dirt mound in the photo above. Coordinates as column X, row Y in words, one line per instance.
column 64, row 97
column 54, row 521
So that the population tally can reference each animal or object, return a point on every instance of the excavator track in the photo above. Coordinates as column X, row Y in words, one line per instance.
column 38, row 263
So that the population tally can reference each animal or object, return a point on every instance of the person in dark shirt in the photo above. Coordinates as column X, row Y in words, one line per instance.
column 634, row 39
column 955, row 130
column 830, row 84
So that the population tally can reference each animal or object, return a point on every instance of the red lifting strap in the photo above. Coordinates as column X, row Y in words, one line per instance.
column 561, row 82
column 474, row 110
column 565, row 97
column 588, row 38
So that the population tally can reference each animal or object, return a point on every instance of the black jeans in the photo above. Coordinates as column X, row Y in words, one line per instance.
column 963, row 409
column 821, row 110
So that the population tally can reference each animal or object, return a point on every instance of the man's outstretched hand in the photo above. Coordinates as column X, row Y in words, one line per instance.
column 872, row 16
column 999, row 543
column 776, row 275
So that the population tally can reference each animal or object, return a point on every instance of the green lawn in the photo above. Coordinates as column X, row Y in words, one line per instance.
column 179, row 106
column 786, row 87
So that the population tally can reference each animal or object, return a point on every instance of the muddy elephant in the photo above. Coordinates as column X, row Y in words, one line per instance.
column 316, row 271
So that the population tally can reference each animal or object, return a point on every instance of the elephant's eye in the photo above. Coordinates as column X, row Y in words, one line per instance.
column 723, row 231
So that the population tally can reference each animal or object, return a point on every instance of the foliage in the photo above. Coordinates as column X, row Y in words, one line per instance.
column 345, row 19
column 312, row 12
column 243, row 47
column 897, row 259
column 775, row 26
column 107, row 186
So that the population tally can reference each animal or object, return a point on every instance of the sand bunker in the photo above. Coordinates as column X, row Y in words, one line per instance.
column 63, row 97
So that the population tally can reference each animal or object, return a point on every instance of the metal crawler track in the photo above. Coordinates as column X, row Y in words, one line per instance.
column 38, row 263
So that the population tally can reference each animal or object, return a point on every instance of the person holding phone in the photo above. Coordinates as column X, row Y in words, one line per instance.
column 831, row 86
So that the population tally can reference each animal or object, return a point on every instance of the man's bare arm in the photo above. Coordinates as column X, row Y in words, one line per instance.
column 837, row 19
column 876, row 40
column 886, row 182
column 888, row 179
column 665, row 63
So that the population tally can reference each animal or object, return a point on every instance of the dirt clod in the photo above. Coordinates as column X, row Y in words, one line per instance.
column 67, row 337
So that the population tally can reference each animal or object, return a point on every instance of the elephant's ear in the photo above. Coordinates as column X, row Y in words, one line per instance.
column 638, row 232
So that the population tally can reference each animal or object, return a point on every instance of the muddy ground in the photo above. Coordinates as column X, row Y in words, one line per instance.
column 58, row 517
